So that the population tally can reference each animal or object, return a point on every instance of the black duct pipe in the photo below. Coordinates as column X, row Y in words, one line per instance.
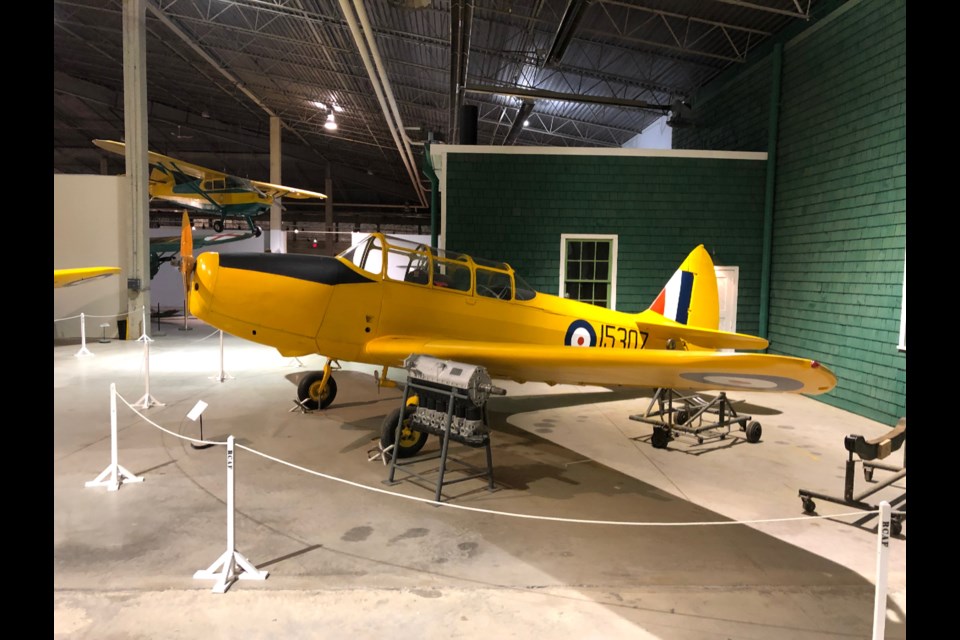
column 468, row 124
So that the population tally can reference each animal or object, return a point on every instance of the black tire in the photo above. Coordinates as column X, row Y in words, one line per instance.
column 660, row 438
column 218, row 225
column 896, row 527
column 257, row 232
column 809, row 506
column 411, row 440
column 754, row 431
column 681, row 417
column 308, row 391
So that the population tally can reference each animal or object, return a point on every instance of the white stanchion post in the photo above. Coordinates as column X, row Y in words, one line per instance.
column 223, row 375
column 114, row 475
column 229, row 571
column 143, row 336
column 883, row 550
column 83, row 339
column 147, row 400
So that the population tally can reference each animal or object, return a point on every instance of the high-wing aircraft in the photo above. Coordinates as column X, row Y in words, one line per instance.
column 71, row 277
column 385, row 299
column 209, row 191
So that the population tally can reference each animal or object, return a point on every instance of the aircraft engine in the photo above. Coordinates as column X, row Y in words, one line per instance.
column 439, row 383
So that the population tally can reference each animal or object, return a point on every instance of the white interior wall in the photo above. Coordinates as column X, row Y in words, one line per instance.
column 89, row 231
column 658, row 135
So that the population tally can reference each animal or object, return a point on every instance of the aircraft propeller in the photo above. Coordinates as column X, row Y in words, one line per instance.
column 187, row 263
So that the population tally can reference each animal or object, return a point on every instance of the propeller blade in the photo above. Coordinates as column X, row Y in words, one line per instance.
column 187, row 260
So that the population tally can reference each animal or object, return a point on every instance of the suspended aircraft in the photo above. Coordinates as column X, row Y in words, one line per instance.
column 385, row 299
column 209, row 191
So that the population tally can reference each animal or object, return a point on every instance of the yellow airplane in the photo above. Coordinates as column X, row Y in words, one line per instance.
column 209, row 191
column 71, row 277
column 385, row 299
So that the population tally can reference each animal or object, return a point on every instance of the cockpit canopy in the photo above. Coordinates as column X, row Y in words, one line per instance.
column 405, row 261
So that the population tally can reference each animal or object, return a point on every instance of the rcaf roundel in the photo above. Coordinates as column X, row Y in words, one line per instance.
column 745, row 381
column 580, row 334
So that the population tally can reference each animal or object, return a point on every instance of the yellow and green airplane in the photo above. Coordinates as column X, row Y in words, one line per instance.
column 209, row 191
column 386, row 299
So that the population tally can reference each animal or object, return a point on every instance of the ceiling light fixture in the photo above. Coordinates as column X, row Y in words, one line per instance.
column 319, row 105
column 338, row 108
column 331, row 123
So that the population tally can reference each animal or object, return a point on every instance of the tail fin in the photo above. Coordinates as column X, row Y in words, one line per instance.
column 690, row 297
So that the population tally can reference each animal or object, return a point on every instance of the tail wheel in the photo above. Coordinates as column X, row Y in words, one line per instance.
column 218, row 225
column 411, row 440
column 310, row 394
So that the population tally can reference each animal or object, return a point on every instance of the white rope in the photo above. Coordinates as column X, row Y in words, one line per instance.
column 88, row 315
column 491, row 511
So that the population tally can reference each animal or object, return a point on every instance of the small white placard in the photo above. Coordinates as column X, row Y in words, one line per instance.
column 197, row 410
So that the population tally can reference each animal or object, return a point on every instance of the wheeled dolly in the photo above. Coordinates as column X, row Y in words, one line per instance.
column 866, row 450
column 691, row 416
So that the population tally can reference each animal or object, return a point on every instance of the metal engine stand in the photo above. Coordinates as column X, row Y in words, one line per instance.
column 450, row 404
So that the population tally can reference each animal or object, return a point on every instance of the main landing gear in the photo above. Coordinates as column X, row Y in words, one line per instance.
column 317, row 389
column 257, row 231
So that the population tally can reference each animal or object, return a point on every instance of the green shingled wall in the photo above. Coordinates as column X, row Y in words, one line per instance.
column 515, row 207
column 840, row 207
column 839, row 231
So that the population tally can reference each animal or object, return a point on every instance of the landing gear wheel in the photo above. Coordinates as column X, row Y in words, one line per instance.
column 660, row 438
column 809, row 506
column 754, row 431
column 218, row 225
column 310, row 395
column 681, row 417
column 257, row 232
column 896, row 527
column 411, row 441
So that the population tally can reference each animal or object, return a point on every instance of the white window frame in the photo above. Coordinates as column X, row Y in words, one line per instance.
column 613, row 260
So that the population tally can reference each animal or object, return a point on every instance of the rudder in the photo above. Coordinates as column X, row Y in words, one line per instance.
column 691, row 296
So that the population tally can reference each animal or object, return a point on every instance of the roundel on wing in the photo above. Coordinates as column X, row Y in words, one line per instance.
column 580, row 334
column 745, row 381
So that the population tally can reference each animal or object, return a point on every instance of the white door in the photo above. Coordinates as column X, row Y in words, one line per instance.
column 728, row 283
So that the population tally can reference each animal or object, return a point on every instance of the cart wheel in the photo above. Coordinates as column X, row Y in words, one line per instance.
column 868, row 474
column 681, row 417
column 661, row 437
column 896, row 527
column 809, row 506
column 754, row 431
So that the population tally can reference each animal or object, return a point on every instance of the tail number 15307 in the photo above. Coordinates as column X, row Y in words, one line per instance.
column 622, row 337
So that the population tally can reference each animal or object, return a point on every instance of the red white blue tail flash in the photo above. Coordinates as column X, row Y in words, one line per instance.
column 674, row 299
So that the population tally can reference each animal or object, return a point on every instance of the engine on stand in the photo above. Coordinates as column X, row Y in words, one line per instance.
column 450, row 404
column 454, row 389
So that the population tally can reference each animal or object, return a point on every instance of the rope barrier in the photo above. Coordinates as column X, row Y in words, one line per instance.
column 432, row 502
column 116, row 315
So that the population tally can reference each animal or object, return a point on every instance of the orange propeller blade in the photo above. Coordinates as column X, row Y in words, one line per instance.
column 187, row 261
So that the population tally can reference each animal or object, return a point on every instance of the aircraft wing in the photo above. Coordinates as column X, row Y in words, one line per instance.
column 171, row 166
column 163, row 244
column 70, row 277
column 654, row 368
column 280, row 191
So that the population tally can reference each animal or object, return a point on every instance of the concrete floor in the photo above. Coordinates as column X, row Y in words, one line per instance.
column 347, row 561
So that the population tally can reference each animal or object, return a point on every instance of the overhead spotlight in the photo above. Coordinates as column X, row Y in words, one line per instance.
column 526, row 123
column 331, row 123
column 319, row 105
column 296, row 230
column 338, row 108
